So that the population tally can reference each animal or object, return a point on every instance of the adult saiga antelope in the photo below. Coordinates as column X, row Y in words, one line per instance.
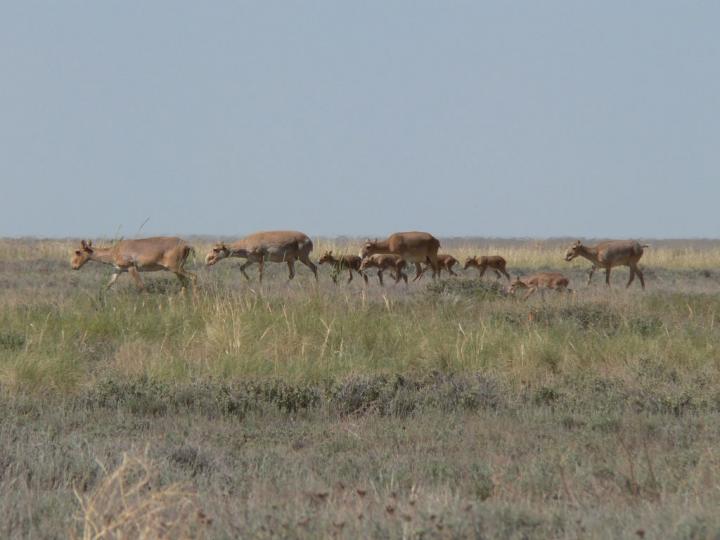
column 608, row 254
column 494, row 262
column 142, row 255
column 273, row 246
column 383, row 262
column 349, row 262
column 413, row 247
column 542, row 280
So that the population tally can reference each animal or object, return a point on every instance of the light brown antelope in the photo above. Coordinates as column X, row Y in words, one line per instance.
column 384, row 262
column 272, row 246
column 349, row 262
column 135, row 256
column 414, row 247
column 445, row 262
column 608, row 254
column 542, row 280
column 495, row 262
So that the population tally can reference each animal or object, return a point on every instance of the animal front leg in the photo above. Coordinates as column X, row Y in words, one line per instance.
column 243, row 267
column 607, row 276
column 632, row 277
column 590, row 274
column 350, row 276
column 530, row 292
column 640, row 275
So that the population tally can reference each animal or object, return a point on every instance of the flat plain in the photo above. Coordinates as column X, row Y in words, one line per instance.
column 299, row 409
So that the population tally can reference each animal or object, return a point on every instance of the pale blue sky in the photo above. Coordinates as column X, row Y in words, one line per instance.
column 360, row 118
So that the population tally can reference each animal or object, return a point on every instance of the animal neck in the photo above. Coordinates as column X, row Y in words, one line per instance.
column 381, row 246
column 238, row 249
column 102, row 255
column 590, row 253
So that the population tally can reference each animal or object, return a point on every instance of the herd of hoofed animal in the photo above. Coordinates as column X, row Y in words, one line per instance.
column 395, row 253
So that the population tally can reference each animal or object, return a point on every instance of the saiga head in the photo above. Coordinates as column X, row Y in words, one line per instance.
column 82, row 255
column 573, row 251
column 218, row 252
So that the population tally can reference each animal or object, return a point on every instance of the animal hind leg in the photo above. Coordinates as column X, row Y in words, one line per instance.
column 113, row 279
column 419, row 271
column 307, row 262
column 136, row 276
column 291, row 268
column 607, row 276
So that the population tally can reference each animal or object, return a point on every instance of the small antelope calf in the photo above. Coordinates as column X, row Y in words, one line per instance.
column 135, row 256
column 349, row 262
column 384, row 262
column 273, row 246
column 542, row 280
column 495, row 262
column 608, row 254
column 445, row 262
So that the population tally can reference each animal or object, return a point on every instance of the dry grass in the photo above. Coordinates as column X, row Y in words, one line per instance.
column 129, row 503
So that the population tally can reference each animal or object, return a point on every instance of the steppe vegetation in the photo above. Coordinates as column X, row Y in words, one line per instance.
column 300, row 409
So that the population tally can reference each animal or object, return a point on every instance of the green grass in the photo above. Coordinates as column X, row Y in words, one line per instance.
column 455, row 410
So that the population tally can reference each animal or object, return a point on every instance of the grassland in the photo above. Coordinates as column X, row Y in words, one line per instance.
column 440, row 410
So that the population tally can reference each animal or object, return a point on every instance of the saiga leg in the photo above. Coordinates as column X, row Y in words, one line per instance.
column 136, row 276
column 244, row 266
column 113, row 279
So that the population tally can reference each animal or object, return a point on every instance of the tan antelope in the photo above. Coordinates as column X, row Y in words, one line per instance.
column 272, row 246
column 608, row 254
column 495, row 262
column 135, row 256
column 383, row 262
column 414, row 247
column 349, row 262
column 542, row 280
column 445, row 262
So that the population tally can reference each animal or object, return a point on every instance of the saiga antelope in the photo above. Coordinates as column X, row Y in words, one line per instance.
column 260, row 247
column 542, row 280
column 349, row 262
column 608, row 254
column 384, row 262
column 135, row 256
column 445, row 262
column 494, row 262
column 414, row 247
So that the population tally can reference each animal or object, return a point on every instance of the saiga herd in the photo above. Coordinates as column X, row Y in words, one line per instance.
column 396, row 253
